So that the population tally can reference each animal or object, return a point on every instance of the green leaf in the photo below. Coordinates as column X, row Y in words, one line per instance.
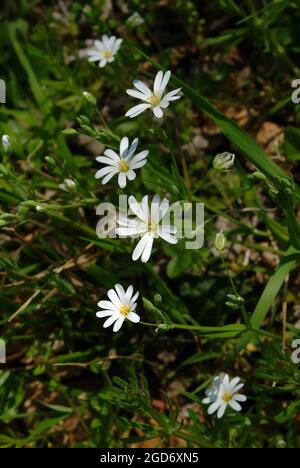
column 292, row 143
column 269, row 294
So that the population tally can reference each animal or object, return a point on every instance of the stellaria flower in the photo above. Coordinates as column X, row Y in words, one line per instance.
column 104, row 50
column 223, row 161
column 123, row 164
column 222, row 393
column 148, row 224
column 6, row 143
column 121, row 306
column 156, row 99
column 67, row 185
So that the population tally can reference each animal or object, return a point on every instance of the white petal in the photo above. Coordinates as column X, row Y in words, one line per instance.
column 139, row 249
column 234, row 381
column 124, row 145
column 155, row 205
column 164, row 103
column 112, row 155
column 118, row 324
column 116, row 45
column 120, row 291
column 137, row 209
column 110, row 321
column 134, row 298
column 142, row 87
column 129, row 293
column 148, row 249
column 133, row 317
column 129, row 231
column 240, row 397
column 221, row 411
column 145, row 207
column 236, row 406
column 137, row 110
column 105, row 313
column 131, row 175
column 114, row 298
column 237, row 388
column 137, row 94
column 102, row 63
column 157, row 112
column 105, row 170
column 107, row 305
column 213, row 407
column 122, row 179
column 140, row 164
column 99, row 45
column 108, row 177
column 165, row 235
column 132, row 148
column 95, row 57
column 164, row 83
column 172, row 93
column 157, row 82
column 140, row 156
column 206, row 401
column 105, row 160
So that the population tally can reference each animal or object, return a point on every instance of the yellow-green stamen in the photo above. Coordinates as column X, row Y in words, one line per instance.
column 124, row 310
column 123, row 166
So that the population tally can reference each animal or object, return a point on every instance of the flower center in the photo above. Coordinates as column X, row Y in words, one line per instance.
column 124, row 310
column 152, row 226
column 227, row 397
column 154, row 100
column 123, row 166
column 107, row 54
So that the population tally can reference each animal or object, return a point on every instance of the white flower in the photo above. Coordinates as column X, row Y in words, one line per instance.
column 223, row 161
column 6, row 143
column 224, row 392
column 156, row 99
column 105, row 50
column 121, row 306
column 123, row 164
column 147, row 224
column 67, row 185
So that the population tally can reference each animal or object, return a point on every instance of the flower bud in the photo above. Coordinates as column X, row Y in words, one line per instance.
column 67, row 185
column 223, row 161
column 220, row 241
column 6, row 143
column 89, row 98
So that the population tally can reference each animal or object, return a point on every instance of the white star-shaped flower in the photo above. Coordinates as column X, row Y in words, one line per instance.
column 123, row 164
column 104, row 50
column 121, row 306
column 148, row 224
column 222, row 393
column 156, row 99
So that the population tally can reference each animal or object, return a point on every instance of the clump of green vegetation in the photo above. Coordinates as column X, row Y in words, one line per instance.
column 207, row 355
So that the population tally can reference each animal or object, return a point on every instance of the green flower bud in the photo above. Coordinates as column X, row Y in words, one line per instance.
column 220, row 241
